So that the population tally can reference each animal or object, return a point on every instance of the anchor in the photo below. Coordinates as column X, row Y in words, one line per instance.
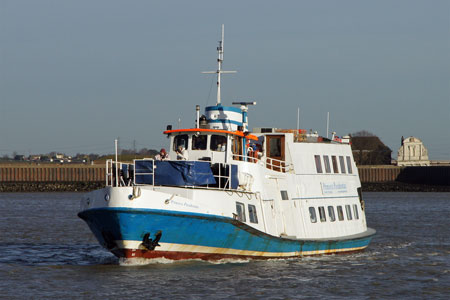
column 149, row 243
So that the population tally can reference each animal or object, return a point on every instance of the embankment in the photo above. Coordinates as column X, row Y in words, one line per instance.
column 81, row 178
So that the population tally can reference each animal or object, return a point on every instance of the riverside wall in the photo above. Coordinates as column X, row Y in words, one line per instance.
column 29, row 178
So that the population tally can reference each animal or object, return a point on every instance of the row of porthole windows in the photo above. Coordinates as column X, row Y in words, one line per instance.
column 334, row 164
column 332, row 215
column 240, row 213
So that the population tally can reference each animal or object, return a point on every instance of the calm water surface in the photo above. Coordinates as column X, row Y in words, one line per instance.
column 47, row 252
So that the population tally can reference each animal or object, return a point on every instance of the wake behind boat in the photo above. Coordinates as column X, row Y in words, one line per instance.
column 225, row 192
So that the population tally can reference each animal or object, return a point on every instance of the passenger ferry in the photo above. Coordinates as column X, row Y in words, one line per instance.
column 226, row 192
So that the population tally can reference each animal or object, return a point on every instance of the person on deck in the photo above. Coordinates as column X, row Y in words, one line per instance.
column 182, row 153
column 162, row 155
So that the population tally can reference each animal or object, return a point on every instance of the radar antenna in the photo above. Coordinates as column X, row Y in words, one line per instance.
column 219, row 67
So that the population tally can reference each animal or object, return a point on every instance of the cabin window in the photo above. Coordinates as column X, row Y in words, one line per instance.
column 252, row 214
column 340, row 213
column 180, row 140
column 284, row 195
column 348, row 210
column 342, row 162
column 218, row 143
column 312, row 214
column 322, row 215
column 199, row 142
column 335, row 165
column 240, row 211
column 355, row 211
column 349, row 165
column 326, row 161
column 318, row 164
column 275, row 147
column 331, row 213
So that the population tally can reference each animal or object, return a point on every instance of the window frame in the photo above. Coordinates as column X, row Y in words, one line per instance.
column 194, row 141
column 252, row 214
column 335, row 164
column 284, row 195
column 331, row 213
column 348, row 211
column 340, row 213
column 240, row 212
column 312, row 214
column 318, row 164
column 342, row 163
column 326, row 161
column 179, row 137
column 349, row 165
column 355, row 211
column 215, row 139
column 322, row 215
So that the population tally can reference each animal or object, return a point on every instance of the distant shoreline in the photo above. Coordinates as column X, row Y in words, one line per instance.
column 33, row 187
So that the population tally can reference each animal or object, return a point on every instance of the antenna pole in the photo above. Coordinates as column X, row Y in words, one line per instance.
column 219, row 67
column 328, row 122
column 298, row 118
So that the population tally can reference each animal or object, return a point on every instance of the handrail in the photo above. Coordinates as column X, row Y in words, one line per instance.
column 269, row 162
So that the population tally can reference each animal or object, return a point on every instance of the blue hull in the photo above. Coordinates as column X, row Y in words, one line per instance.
column 186, row 235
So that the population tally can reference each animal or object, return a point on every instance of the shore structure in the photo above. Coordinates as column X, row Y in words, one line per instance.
column 412, row 152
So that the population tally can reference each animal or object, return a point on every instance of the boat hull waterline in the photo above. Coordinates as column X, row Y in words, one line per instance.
column 189, row 236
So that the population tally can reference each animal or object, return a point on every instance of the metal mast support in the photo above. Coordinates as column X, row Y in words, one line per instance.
column 219, row 67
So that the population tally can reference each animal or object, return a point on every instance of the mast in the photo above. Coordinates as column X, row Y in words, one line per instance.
column 219, row 67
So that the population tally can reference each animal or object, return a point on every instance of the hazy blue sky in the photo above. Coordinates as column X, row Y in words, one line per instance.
column 76, row 74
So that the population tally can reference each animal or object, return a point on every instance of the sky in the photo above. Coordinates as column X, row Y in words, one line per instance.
column 75, row 75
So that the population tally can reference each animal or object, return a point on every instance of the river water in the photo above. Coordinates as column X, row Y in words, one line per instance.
column 46, row 251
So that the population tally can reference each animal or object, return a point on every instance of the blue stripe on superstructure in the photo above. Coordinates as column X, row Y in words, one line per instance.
column 225, row 121
column 223, row 108
column 199, row 229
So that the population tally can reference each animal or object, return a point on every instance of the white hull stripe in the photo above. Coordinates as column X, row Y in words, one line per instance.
column 170, row 247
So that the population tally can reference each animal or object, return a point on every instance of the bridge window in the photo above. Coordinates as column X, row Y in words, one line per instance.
column 318, row 164
column 331, row 213
column 342, row 162
column 180, row 140
column 326, row 161
column 349, row 165
column 312, row 214
column 252, row 214
column 340, row 213
column 335, row 164
column 199, row 142
column 322, row 215
column 218, row 143
column 240, row 211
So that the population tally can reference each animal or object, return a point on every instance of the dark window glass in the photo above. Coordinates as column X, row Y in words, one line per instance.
column 199, row 142
column 318, row 164
column 322, row 215
column 348, row 210
column 284, row 195
column 355, row 211
column 335, row 165
column 180, row 140
column 275, row 147
column 349, row 165
column 312, row 214
column 218, row 143
column 326, row 161
column 240, row 211
column 252, row 214
column 340, row 213
column 331, row 213
column 342, row 162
